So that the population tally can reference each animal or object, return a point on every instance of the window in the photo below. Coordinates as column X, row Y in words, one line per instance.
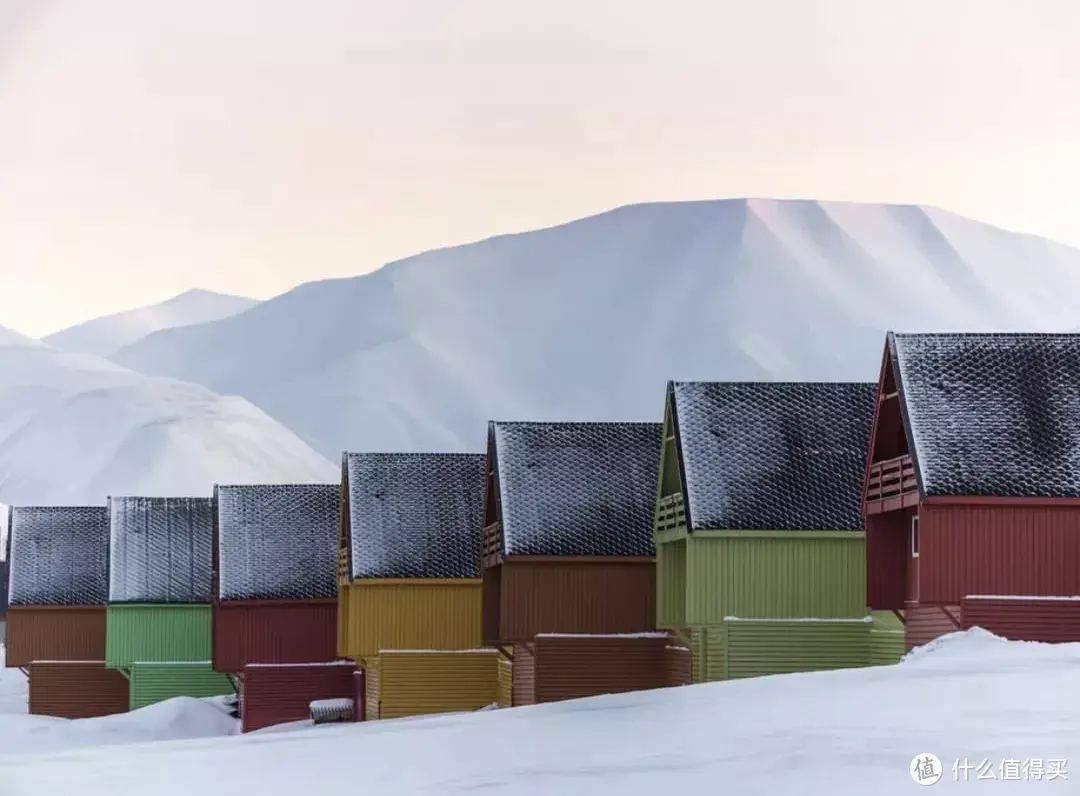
column 915, row 537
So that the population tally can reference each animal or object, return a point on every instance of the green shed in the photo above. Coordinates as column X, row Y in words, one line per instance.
column 160, row 560
column 156, row 682
column 760, row 552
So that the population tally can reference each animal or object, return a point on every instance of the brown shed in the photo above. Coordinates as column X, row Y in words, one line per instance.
column 1023, row 618
column 568, row 544
column 558, row 667
column 76, row 689
column 277, row 693
column 58, row 583
column 275, row 564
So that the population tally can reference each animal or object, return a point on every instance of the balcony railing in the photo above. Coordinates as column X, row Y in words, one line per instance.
column 670, row 513
column 891, row 485
column 491, row 545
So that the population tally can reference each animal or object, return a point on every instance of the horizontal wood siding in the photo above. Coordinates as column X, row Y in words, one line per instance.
column 424, row 683
column 156, row 682
column 775, row 575
column 923, row 623
column 360, row 694
column 142, row 633
column 371, row 688
column 49, row 633
column 524, row 676
column 76, row 690
column 1024, row 619
column 679, row 666
column 579, row 596
column 764, row 648
column 671, row 584
column 295, row 631
column 582, row 666
column 410, row 615
column 886, row 639
column 277, row 694
column 506, row 683
column 999, row 550
column 707, row 646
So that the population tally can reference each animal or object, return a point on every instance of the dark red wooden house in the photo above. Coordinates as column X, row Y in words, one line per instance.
column 972, row 497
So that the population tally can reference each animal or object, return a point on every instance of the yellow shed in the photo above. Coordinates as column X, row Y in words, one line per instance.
column 402, row 683
column 409, row 553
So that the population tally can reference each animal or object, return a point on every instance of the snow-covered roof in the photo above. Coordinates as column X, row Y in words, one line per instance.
column 58, row 555
column 277, row 541
column 991, row 414
column 414, row 515
column 773, row 455
column 576, row 489
column 160, row 549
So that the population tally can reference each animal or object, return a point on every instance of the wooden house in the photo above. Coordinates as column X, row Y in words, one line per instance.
column 760, row 545
column 568, row 544
column 972, row 495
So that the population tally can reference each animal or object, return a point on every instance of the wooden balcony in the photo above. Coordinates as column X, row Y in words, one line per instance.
column 891, row 485
column 343, row 572
column 491, row 545
column 670, row 513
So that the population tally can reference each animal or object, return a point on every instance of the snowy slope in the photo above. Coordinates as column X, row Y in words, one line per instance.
column 588, row 320
column 104, row 336
column 75, row 428
column 823, row 734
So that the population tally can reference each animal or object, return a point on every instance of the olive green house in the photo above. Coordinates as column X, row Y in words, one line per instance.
column 157, row 619
column 760, row 552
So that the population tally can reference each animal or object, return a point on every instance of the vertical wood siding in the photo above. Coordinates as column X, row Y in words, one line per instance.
column 998, row 550
column 294, row 631
column 782, row 575
column 887, row 537
column 671, row 584
column 75, row 633
column 410, row 615
column 575, row 597
column 143, row 633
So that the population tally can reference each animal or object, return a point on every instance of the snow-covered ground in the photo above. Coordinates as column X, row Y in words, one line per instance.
column 855, row 732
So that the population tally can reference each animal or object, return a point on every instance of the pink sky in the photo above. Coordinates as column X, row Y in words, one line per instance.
column 249, row 145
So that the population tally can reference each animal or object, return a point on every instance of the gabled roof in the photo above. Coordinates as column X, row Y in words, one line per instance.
column 160, row 549
column 58, row 555
column 576, row 489
column 277, row 541
column 991, row 414
column 414, row 515
column 772, row 455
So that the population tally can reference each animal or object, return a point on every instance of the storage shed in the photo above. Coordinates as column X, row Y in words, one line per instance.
column 567, row 545
column 58, row 583
column 558, row 667
column 402, row 683
column 76, row 690
column 410, row 552
column 275, row 595
column 277, row 693
column 973, row 483
column 758, row 518
column 159, row 580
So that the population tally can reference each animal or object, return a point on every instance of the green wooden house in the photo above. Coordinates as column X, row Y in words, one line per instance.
column 760, row 552
column 157, row 620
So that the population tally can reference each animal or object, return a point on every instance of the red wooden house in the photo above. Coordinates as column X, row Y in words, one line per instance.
column 972, row 496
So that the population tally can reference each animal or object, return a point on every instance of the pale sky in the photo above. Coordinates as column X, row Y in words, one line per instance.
column 245, row 146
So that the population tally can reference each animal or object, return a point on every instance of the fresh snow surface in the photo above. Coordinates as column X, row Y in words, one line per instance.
column 588, row 321
column 106, row 335
column 75, row 428
column 174, row 719
column 968, row 695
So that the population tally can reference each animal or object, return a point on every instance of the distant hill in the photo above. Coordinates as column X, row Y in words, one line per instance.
column 104, row 336
column 589, row 319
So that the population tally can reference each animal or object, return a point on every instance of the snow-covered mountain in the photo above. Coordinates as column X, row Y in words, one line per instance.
column 105, row 335
column 589, row 319
column 75, row 428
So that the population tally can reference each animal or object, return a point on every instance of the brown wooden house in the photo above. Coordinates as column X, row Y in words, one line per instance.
column 568, row 545
column 972, row 497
